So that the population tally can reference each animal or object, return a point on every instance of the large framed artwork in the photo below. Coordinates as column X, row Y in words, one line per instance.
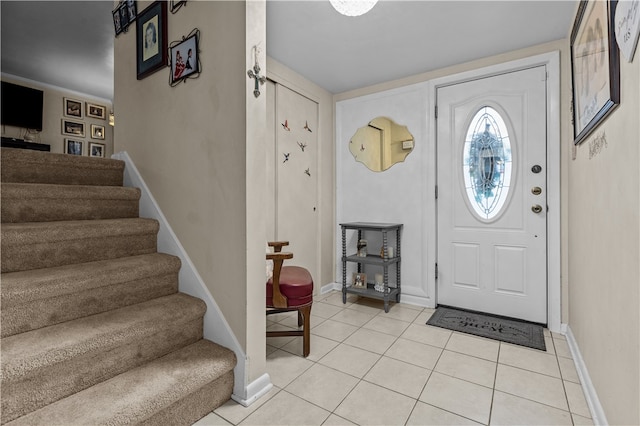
column 595, row 66
column 151, row 39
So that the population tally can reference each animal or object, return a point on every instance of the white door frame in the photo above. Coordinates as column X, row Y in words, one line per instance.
column 552, row 62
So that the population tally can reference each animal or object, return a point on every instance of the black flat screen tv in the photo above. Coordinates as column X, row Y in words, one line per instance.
column 21, row 106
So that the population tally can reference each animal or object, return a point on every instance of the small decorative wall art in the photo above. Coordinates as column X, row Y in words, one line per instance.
column 151, row 39
column 73, row 128
column 72, row 108
column 97, row 132
column 96, row 111
column 73, row 146
column 185, row 58
column 96, row 149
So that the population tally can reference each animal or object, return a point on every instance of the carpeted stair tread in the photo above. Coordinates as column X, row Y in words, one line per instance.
column 94, row 330
column 41, row 297
column 36, row 202
column 27, row 166
column 45, row 365
column 37, row 245
column 140, row 394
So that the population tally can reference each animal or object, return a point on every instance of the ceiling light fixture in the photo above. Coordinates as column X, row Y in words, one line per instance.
column 353, row 7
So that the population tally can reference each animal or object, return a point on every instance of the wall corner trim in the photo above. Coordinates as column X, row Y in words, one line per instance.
column 216, row 327
column 597, row 412
column 254, row 391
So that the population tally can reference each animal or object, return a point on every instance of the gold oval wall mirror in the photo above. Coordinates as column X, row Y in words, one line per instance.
column 381, row 144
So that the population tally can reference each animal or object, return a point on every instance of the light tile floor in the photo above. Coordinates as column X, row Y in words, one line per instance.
column 374, row 368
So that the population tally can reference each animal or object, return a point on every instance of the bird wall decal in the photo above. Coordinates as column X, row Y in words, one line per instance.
column 285, row 125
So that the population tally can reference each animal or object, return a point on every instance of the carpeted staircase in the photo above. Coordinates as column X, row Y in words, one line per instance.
column 94, row 330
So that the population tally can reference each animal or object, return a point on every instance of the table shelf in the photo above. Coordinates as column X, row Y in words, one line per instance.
column 389, row 293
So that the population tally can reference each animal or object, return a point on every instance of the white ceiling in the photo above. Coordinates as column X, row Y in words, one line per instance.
column 70, row 44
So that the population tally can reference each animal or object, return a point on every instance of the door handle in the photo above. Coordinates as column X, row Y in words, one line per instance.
column 536, row 208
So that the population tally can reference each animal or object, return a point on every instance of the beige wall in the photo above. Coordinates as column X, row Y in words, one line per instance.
column 604, row 252
column 52, row 115
column 194, row 146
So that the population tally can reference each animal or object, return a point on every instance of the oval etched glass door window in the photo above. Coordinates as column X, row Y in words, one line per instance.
column 487, row 163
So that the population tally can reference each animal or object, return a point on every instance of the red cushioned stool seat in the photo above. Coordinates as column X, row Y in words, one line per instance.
column 296, row 285
column 290, row 289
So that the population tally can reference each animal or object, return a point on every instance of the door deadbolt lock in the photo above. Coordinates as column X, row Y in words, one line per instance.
column 536, row 208
column 536, row 190
column 536, row 169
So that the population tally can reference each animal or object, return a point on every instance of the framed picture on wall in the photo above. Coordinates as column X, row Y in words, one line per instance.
column 73, row 146
column 184, row 58
column 595, row 66
column 96, row 149
column 116, row 21
column 151, row 39
column 72, row 128
column 132, row 10
column 97, row 132
column 72, row 108
column 96, row 111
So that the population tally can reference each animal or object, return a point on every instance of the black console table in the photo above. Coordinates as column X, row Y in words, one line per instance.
column 380, row 259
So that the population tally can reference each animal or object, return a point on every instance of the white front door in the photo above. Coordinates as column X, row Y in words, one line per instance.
column 491, row 205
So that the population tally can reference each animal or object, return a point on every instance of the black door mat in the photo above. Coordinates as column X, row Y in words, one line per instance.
column 490, row 326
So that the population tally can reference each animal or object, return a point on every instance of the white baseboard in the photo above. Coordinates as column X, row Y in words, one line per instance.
column 255, row 390
column 330, row 287
column 597, row 413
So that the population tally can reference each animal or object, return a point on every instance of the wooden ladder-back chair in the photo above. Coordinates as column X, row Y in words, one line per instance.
column 290, row 289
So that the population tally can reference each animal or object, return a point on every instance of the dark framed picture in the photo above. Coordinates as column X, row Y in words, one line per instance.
column 116, row 20
column 97, row 132
column 151, row 39
column 124, row 16
column 96, row 149
column 184, row 58
column 73, row 146
column 595, row 66
column 72, row 108
column 96, row 111
column 132, row 10
column 72, row 128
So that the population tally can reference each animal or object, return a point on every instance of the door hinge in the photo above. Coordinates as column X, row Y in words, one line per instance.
column 436, row 112
column 436, row 270
column 436, row 192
